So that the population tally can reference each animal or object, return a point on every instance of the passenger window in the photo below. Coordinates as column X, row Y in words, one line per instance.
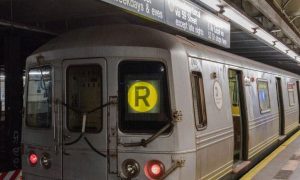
column 143, row 95
column 39, row 98
column 263, row 96
column 199, row 100
column 84, row 92
column 291, row 94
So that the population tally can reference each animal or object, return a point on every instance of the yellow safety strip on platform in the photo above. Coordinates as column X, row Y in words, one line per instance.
column 269, row 158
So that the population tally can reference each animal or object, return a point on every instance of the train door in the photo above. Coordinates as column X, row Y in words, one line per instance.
column 236, row 90
column 85, row 119
column 280, row 105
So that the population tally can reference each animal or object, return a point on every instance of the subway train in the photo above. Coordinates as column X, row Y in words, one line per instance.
column 131, row 102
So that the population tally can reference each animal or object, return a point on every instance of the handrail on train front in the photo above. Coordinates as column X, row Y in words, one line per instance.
column 176, row 164
column 177, row 116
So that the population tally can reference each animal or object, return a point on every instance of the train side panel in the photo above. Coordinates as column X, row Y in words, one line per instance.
column 263, row 123
column 215, row 143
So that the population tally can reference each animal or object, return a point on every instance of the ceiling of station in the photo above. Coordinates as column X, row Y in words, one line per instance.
column 280, row 19
column 58, row 16
column 246, row 45
column 292, row 10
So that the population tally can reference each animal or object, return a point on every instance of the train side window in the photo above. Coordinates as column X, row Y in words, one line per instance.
column 263, row 95
column 84, row 92
column 143, row 97
column 291, row 94
column 39, row 98
column 199, row 100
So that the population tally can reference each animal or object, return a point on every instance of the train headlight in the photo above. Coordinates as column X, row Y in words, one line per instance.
column 46, row 161
column 154, row 169
column 130, row 168
column 33, row 158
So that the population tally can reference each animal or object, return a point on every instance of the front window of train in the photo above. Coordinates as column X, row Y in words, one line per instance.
column 144, row 98
column 84, row 92
column 39, row 97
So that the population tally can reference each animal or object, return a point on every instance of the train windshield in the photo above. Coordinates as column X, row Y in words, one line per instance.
column 39, row 97
column 143, row 94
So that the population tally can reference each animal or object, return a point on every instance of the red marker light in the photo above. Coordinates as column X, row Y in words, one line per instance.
column 154, row 169
column 33, row 159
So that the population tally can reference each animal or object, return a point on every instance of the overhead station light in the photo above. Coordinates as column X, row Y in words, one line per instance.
column 246, row 24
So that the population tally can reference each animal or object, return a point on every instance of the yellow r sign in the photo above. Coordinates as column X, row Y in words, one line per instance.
column 142, row 96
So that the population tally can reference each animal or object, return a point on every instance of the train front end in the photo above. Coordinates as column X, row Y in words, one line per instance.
column 105, row 113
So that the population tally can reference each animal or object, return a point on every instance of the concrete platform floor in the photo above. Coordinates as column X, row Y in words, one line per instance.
column 283, row 163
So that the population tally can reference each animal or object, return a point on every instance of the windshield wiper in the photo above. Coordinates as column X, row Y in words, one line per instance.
column 145, row 142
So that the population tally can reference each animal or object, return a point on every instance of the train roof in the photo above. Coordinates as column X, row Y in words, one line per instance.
column 140, row 36
column 110, row 35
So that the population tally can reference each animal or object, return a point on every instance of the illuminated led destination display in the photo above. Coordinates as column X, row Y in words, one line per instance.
column 182, row 15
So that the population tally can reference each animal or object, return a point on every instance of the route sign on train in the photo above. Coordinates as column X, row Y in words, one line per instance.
column 143, row 97
column 182, row 15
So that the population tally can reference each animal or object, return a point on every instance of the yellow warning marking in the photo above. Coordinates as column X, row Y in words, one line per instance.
column 142, row 96
column 269, row 158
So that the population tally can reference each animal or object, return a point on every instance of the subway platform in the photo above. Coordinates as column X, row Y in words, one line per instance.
column 282, row 163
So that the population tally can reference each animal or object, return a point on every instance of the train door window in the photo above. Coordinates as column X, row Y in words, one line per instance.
column 199, row 100
column 263, row 95
column 39, row 97
column 143, row 95
column 291, row 94
column 84, row 92
column 234, row 93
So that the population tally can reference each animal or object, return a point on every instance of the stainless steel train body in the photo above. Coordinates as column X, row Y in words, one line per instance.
column 218, row 110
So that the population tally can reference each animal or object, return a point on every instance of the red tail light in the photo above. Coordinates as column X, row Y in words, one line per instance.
column 154, row 169
column 33, row 159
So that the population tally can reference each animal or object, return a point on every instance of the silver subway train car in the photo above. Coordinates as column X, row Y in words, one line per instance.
column 130, row 102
